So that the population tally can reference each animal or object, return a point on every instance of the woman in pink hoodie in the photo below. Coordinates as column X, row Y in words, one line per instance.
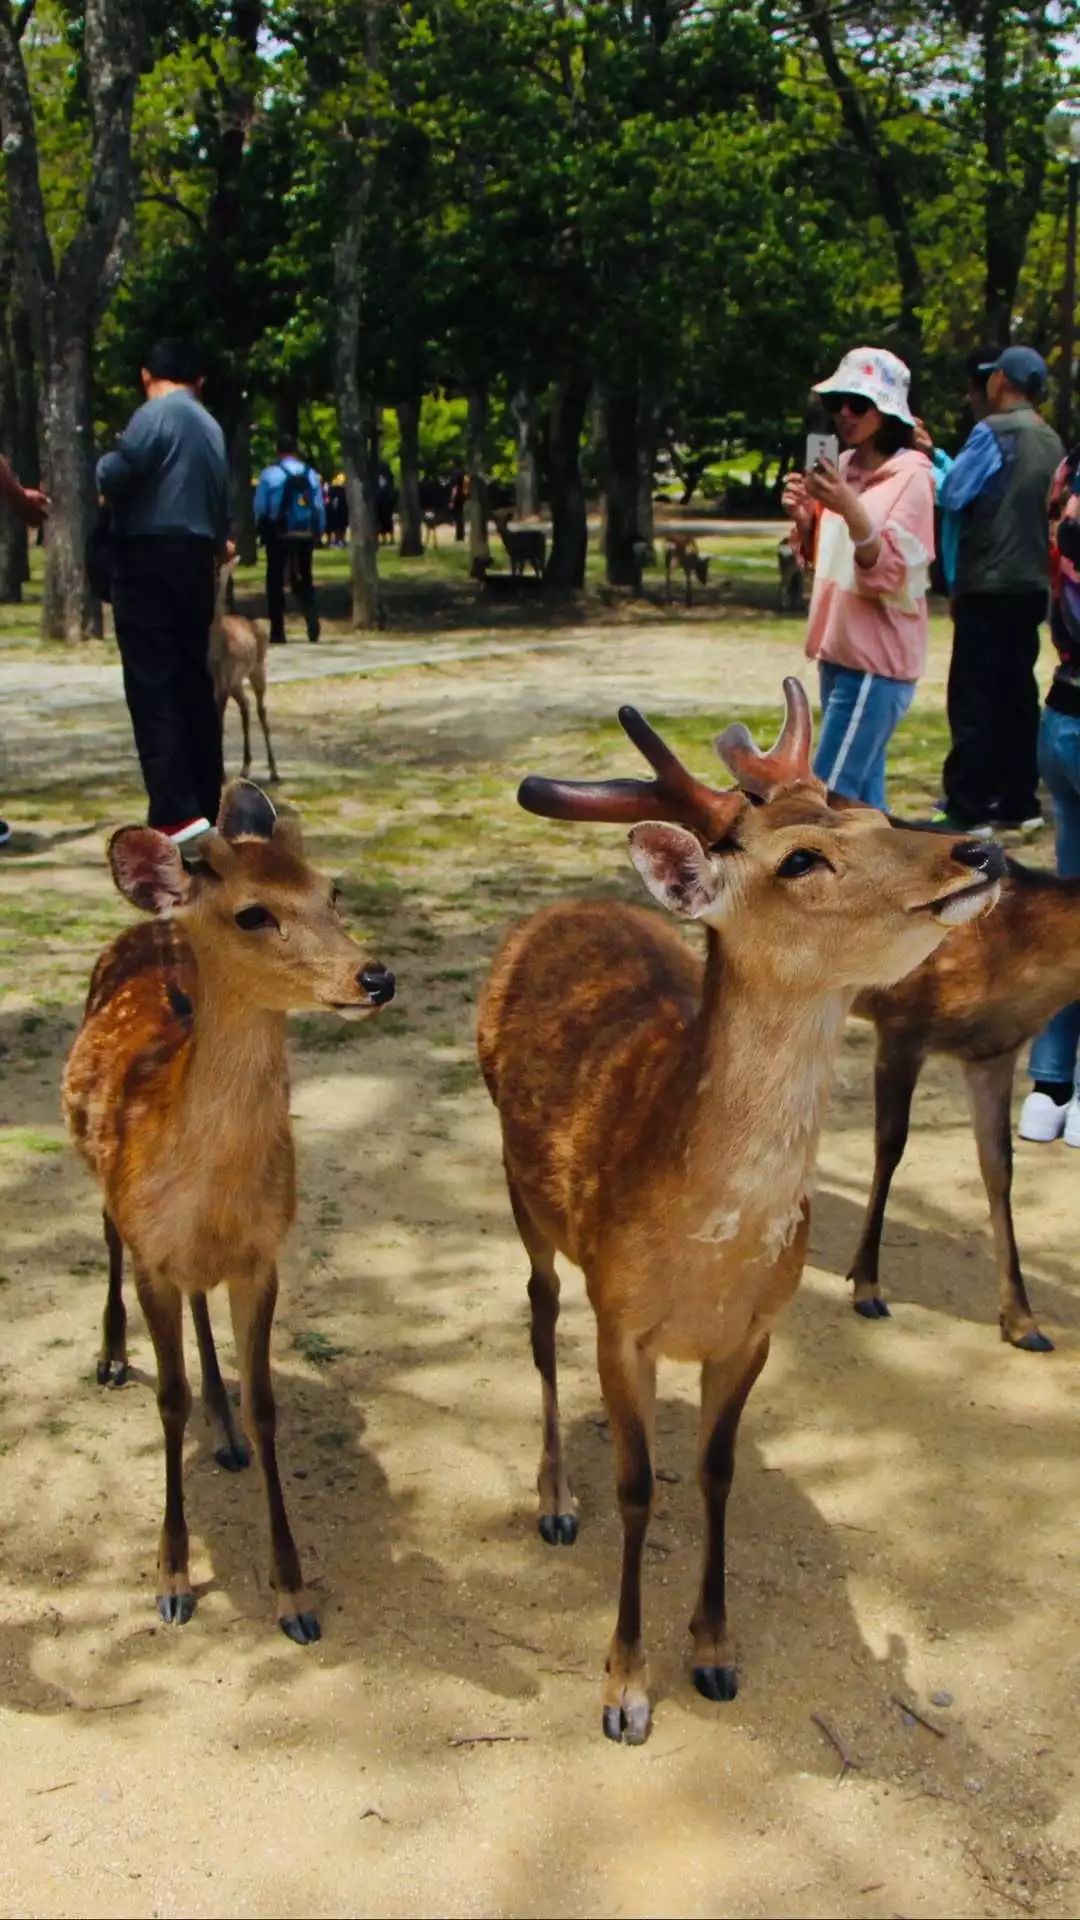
column 867, row 528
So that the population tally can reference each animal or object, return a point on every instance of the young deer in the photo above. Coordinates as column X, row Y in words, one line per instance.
column 527, row 547
column 978, row 999
column 660, row 1120
column 238, row 651
column 176, row 1095
column 681, row 550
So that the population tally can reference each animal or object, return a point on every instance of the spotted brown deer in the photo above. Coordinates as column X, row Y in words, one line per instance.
column 681, row 550
column 238, row 652
column 526, row 547
column 176, row 1095
column 978, row 1000
column 660, row 1118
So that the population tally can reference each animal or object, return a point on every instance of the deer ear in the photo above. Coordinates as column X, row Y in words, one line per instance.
column 147, row 868
column 288, row 836
column 675, row 868
column 245, row 810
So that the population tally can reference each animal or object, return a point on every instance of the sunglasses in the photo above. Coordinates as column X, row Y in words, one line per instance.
column 856, row 403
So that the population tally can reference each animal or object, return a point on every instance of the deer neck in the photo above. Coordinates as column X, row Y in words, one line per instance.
column 762, row 1066
column 236, row 1080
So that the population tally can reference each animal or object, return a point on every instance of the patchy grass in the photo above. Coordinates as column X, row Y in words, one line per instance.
column 317, row 1348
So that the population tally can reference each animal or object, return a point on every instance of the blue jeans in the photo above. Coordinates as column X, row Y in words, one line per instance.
column 1053, row 1052
column 859, row 715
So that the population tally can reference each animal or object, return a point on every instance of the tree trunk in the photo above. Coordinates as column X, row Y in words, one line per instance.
column 25, row 438
column 476, row 507
column 570, row 535
column 412, row 527
column 650, row 402
column 621, row 500
column 356, row 426
column 13, row 541
column 243, row 497
column 528, row 477
column 69, row 610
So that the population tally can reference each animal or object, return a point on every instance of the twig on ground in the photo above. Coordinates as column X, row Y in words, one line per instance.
column 512, row 1640
column 106, row 1706
column 846, row 1760
column 59, row 1787
column 372, row 1813
column 483, row 1739
column 906, row 1707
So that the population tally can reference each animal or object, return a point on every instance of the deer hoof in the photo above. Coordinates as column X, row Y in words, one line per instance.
column 558, row 1529
column 716, row 1683
column 107, row 1378
column 235, row 1458
column 176, row 1609
column 875, row 1308
column 1034, row 1342
column 630, row 1725
column 301, row 1627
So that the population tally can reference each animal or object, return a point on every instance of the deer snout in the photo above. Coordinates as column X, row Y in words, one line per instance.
column 378, row 983
column 984, row 857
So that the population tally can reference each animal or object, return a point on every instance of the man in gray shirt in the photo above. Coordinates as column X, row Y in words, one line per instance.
column 166, row 483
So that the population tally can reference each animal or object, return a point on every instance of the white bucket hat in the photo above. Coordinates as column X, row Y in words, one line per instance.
column 879, row 375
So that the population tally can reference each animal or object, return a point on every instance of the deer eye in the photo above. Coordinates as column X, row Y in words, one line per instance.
column 255, row 919
column 799, row 862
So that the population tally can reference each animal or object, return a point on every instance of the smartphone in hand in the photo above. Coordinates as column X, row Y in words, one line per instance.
column 821, row 447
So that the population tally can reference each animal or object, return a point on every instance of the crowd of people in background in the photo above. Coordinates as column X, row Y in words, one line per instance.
column 1004, row 516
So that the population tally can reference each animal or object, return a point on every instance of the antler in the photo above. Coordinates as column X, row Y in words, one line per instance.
column 787, row 765
column 675, row 795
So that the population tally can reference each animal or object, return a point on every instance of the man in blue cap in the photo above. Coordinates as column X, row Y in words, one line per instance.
column 999, row 488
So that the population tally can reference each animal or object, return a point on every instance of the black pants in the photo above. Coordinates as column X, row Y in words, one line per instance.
column 288, row 562
column 994, row 707
column 163, row 604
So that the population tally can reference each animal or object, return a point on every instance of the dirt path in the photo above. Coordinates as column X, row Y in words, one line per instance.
column 905, row 1517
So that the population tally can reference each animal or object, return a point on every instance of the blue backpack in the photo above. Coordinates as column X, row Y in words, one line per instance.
column 296, row 518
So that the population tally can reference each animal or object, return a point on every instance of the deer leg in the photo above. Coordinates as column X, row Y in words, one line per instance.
column 241, row 699
column 114, row 1320
column 252, row 1304
column 258, row 681
column 232, row 1454
column 725, row 1388
column 161, row 1305
column 557, row 1522
column 689, row 593
column 896, row 1074
column 628, row 1379
column 989, row 1084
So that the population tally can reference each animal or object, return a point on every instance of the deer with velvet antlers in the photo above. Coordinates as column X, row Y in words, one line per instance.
column 660, row 1119
column 176, row 1095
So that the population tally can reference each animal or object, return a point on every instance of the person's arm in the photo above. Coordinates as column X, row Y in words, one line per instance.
column 884, row 555
column 976, row 463
column 28, row 503
column 319, row 500
column 261, row 503
column 829, row 488
column 136, row 454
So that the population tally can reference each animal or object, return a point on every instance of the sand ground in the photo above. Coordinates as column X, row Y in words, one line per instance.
column 905, row 1516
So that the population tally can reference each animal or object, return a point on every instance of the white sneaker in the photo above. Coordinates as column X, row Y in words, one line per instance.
column 1072, row 1122
column 1042, row 1119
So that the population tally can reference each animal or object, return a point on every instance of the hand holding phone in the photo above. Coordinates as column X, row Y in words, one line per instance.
column 821, row 449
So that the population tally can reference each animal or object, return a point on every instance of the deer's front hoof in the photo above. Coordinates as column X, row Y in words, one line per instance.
column 112, row 1373
column 176, row 1609
column 233, row 1458
column 873, row 1308
column 629, row 1723
column 716, row 1683
column 558, row 1529
column 304, row 1628
column 1032, row 1342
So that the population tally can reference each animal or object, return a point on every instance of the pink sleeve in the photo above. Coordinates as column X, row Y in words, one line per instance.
column 907, row 535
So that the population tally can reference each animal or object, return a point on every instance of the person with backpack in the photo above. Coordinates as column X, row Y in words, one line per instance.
column 290, row 519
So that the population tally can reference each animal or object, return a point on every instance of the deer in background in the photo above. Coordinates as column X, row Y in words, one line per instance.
column 681, row 550
column 978, row 999
column 176, row 1095
column 660, row 1119
column 238, row 652
column 526, row 547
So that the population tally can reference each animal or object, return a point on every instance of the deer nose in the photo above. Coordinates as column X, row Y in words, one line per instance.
column 983, row 856
column 378, row 983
